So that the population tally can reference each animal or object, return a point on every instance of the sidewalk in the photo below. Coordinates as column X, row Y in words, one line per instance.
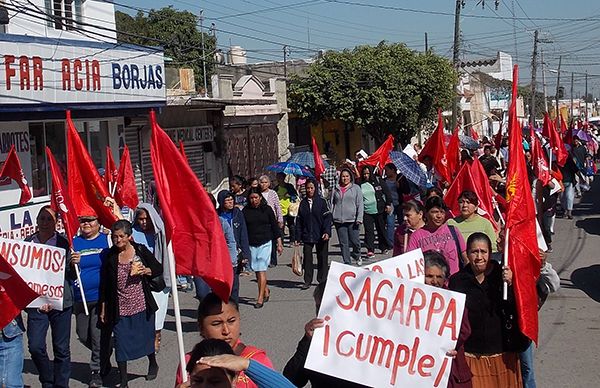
column 568, row 353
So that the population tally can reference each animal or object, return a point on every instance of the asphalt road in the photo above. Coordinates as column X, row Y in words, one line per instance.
column 567, row 356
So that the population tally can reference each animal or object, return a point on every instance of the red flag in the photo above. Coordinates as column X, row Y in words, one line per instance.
column 319, row 165
column 381, row 156
column 12, row 169
column 563, row 124
column 498, row 138
column 60, row 200
column 539, row 161
column 190, row 218
column 567, row 133
column 436, row 150
column 556, row 143
column 474, row 134
column 182, row 151
column 472, row 177
column 126, row 193
column 15, row 294
column 453, row 152
column 110, row 173
column 523, row 254
column 86, row 189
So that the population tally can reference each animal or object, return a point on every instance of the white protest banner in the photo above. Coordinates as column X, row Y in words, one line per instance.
column 383, row 331
column 409, row 266
column 42, row 267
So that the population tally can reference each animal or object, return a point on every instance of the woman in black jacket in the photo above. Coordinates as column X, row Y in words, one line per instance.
column 313, row 228
column 377, row 201
column 490, row 350
column 126, row 304
column 263, row 228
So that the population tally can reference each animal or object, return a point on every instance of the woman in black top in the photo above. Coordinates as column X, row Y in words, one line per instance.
column 313, row 228
column 377, row 201
column 482, row 282
column 262, row 230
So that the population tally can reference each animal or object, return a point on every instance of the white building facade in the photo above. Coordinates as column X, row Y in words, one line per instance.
column 63, row 55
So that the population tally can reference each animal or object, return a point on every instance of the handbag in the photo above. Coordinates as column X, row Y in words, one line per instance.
column 293, row 209
column 297, row 262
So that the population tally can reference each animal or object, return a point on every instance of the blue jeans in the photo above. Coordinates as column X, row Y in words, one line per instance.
column 568, row 196
column 390, row 226
column 11, row 361
column 349, row 235
column 527, row 372
column 50, row 375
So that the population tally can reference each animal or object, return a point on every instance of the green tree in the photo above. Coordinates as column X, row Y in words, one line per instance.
column 176, row 31
column 540, row 107
column 384, row 89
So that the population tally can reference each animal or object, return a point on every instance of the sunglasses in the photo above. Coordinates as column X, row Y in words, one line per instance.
column 87, row 220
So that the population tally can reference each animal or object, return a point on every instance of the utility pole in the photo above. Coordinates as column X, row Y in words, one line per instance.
column 285, row 61
column 544, row 81
column 558, row 83
column 456, row 60
column 426, row 44
column 533, row 77
column 586, row 97
column 203, row 54
column 572, row 78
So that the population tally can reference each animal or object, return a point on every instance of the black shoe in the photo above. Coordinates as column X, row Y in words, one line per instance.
column 305, row 286
column 152, row 372
column 258, row 305
column 95, row 380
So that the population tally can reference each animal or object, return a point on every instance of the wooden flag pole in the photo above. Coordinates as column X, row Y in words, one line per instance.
column 505, row 264
column 178, row 327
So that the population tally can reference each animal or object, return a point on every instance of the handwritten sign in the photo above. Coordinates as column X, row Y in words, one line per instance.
column 42, row 267
column 408, row 266
column 383, row 331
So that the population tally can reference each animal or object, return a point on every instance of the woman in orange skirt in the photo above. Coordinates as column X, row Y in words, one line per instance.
column 491, row 364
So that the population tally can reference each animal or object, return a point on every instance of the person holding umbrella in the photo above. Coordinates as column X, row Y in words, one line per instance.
column 313, row 228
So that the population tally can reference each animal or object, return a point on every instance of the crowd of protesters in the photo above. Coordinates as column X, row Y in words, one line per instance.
column 124, row 270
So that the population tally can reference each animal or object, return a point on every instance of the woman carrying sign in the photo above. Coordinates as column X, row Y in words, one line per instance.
column 491, row 349
column 57, row 373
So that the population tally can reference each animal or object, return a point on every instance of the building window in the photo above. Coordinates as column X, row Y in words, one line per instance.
column 65, row 14
column 94, row 135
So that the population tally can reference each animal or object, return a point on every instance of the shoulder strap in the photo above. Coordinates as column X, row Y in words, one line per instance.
column 458, row 250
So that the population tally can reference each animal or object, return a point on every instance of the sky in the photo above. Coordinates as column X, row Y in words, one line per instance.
column 263, row 27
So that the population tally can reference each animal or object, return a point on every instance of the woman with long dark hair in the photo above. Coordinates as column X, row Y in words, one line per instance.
column 263, row 229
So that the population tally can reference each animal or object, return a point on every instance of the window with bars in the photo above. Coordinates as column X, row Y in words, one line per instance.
column 64, row 14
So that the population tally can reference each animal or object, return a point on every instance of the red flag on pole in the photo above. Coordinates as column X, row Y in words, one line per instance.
column 86, row 189
column 61, row 203
column 474, row 134
column 12, row 169
column 15, row 294
column 436, row 150
column 381, row 156
column 182, row 151
column 110, row 173
column 319, row 165
column 190, row 218
column 498, row 138
column 126, row 193
column 453, row 152
column 472, row 177
column 523, row 255
column 556, row 143
column 539, row 161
